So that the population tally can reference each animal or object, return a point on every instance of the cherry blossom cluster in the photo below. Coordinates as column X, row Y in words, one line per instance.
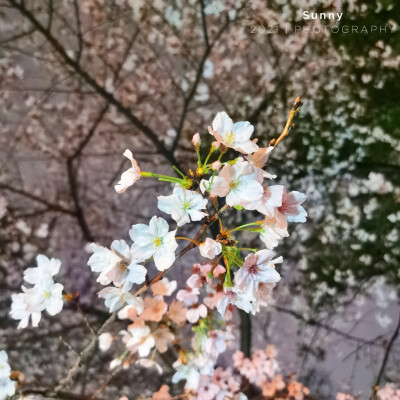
column 7, row 386
column 44, row 293
column 231, row 176
column 225, row 281
column 260, row 370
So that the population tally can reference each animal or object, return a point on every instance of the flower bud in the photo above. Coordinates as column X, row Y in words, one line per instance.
column 216, row 165
column 216, row 145
column 196, row 141
column 200, row 171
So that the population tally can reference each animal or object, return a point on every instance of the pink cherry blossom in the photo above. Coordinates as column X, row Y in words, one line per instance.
column 258, row 267
column 189, row 295
column 177, row 312
column 163, row 336
column 216, row 165
column 130, row 176
column 260, row 158
column 154, row 309
column 162, row 393
column 291, row 209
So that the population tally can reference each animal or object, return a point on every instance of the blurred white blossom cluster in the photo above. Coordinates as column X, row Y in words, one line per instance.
column 7, row 386
column 43, row 294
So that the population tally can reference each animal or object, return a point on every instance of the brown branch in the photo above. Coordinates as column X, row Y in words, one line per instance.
column 109, row 97
column 295, row 108
column 209, row 46
column 72, row 178
column 385, row 360
column 314, row 322
column 50, row 206
column 83, row 355
column 50, row 394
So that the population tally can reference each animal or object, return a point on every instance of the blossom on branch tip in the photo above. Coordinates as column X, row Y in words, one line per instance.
column 154, row 240
column 183, row 205
column 235, row 136
column 196, row 141
column 271, row 233
column 177, row 312
column 130, row 176
column 163, row 337
column 210, row 248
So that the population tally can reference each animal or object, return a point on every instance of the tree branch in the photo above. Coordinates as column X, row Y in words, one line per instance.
column 109, row 97
column 385, row 360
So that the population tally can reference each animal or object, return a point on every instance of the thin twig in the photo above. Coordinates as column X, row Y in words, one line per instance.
column 385, row 360
column 295, row 108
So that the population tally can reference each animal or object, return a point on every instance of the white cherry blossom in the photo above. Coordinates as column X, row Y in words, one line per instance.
column 183, row 205
column 196, row 312
column 154, row 240
column 240, row 183
column 115, row 298
column 46, row 295
column 234, row 295
column 46, row 268
column 236, row 136
column 210, row 248
column 271, row 199
column 139, row 339
column 117, row 265
column 7, row 386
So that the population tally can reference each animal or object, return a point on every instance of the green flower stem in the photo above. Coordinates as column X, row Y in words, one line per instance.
column 228, row 279
column 209, row 155
column 247, row 249
column 244, row 226
column 164, row 178
column 179, row 172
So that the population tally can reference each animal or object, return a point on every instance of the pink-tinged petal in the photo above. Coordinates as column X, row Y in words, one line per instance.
column 218, row 270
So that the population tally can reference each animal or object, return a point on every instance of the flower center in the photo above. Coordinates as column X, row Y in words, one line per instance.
column 229, row 139
column 186, row 205
column 123, row 266
column 253, row 269
column 157, row 242
column 234, row 184
column 47, row 295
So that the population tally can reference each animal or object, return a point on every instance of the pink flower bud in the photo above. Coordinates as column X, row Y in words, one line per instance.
column 216, row 144
column 196, row 140
column 216, row 165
